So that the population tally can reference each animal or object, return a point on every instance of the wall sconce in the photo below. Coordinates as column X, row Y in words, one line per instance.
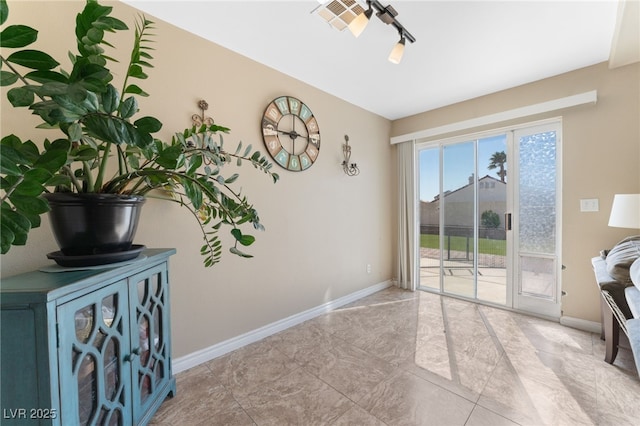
column 351, row 169
column 199, row 120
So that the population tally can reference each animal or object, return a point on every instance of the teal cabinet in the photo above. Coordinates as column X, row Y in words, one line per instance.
column 87, row 347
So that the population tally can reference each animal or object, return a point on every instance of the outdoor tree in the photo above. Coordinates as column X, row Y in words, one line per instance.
column 498, row 160
column 490, row 219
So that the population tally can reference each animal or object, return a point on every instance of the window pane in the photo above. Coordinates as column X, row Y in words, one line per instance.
column 538, row 193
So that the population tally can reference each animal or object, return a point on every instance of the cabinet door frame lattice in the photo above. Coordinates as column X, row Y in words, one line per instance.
column 154, row 359
column 71, row 343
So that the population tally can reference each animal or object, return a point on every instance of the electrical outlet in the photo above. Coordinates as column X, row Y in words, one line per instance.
column 368, row 268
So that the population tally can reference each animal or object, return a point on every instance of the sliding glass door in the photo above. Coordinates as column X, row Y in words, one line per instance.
column 462, row 204
column 487, row 226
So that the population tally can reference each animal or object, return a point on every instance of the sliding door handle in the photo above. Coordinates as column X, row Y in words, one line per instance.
column 507, row 221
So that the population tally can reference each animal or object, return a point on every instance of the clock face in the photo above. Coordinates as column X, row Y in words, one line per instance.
column 291, row 133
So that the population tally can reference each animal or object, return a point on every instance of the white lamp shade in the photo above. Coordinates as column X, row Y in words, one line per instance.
column 358, row 25
column 396, row 53
column 625, row 211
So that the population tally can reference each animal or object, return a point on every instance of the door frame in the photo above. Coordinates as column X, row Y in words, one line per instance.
column 512, row 286
column 524, row 303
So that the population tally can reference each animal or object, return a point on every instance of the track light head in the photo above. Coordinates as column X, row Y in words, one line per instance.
column 398, row 50
column 358, row 25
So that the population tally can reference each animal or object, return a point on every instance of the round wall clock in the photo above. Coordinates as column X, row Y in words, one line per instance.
column 291, row 133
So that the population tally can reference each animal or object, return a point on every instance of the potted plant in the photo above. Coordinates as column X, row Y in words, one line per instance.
column 106, row 157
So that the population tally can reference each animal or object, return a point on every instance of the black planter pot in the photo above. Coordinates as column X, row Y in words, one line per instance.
column 94, row 224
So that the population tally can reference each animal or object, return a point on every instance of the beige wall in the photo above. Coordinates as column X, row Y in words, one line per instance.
column 322, row 227
column 601, row 157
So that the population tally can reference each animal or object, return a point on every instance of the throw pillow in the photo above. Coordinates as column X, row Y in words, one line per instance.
column 620, row 258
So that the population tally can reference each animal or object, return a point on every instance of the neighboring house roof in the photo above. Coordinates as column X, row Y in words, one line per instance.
column 482, row 179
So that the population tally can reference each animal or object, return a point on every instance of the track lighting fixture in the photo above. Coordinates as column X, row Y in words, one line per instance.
column 386, row 14
column 341, row 14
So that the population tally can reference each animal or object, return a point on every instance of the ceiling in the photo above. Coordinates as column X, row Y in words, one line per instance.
column 463, row 49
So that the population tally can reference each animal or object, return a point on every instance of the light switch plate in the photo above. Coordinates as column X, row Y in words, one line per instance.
column 589, row 205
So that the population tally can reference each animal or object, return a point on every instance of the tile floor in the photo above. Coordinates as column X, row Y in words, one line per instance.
column 403, row 358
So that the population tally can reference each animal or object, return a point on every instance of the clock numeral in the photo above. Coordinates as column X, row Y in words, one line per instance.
column 305, row 113
column 282, row 158
column 312, row 125
column 305, row 161
column 294, row 106
column 294, row 163
column 313, row 152
column 273, row 113
column 268, row 129
column 283, row 105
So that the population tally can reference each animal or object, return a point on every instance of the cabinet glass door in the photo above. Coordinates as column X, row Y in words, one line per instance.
column 149, row 314
column 94, row 373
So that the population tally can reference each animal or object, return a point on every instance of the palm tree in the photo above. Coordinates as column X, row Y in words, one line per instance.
column 498, row 159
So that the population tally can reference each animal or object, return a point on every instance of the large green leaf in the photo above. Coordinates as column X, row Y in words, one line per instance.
column 46, row 76
column 135, row 90
column 6, row 237
column 148, row 124
column 193, row 192
column 245, row 240
column 110, row 99
column 136, row 71
column 17, row 227
column 74, row 132
column 69, row 105
column 17, row 36
column 84, row 153
column 128, row 107
column 20, row 97
column 168, row 158
column 193, row 164
column 7, row 78
column 9, row 160
column 29, row 204
column 4, row 13
column 113, row 129
column 109, row 23
column 54, row 157
column 30, row 151
column 32, row 184
column 51, row 88
column 92, row 76
column 33, row 59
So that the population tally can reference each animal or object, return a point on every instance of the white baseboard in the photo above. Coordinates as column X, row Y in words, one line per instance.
column 219, row 349
column 581, row 324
